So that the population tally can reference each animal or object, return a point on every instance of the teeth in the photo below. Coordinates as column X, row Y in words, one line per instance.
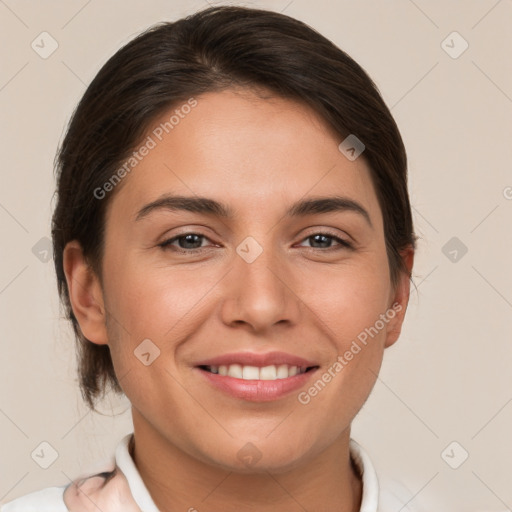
column 250, row 373
column 282, row 371
column 246, row 372
column 268, row 373
column 293, row 371
column 235, row 370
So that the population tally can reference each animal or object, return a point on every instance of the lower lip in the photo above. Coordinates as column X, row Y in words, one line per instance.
column 257, row 390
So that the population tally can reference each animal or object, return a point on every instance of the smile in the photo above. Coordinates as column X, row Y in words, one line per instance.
column 257, row 377
column 247, row 372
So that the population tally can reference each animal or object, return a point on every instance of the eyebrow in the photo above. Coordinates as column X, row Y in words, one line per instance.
column 205, row 205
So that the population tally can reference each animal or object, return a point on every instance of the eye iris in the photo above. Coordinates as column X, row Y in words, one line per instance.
column 326, row 239
column 190, row 239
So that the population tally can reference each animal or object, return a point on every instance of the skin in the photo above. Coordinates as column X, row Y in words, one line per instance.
column 310, row 298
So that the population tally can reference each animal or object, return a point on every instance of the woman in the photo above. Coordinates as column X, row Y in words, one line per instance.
column 233, row 244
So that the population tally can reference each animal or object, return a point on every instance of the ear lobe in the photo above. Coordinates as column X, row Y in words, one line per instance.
column 400, row 300
column 85, row 294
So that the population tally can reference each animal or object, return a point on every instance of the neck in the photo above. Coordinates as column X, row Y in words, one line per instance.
column 179, row 482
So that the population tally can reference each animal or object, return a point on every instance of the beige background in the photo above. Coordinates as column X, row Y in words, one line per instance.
column 448, row 378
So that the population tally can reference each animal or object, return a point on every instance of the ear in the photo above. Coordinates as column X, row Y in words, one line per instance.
column 400, row 299
column 85, row 294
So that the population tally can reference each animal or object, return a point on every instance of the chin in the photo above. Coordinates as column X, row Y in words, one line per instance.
column 262, row 456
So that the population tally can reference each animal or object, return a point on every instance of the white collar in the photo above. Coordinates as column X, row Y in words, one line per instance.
column 370, row 497
column 370, row 494
column 138, row 489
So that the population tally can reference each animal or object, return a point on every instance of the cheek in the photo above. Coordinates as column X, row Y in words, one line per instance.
column 350, row 299
column 349, row 313
column 150, row 301
column 349, row 304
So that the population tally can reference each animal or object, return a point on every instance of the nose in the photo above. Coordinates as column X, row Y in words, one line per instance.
column 260, row 294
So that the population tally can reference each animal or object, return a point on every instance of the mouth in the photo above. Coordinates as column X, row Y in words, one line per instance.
column 257, row 377
column 248, row 372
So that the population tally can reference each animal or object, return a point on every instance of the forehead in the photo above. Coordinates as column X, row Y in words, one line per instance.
column 243, row 149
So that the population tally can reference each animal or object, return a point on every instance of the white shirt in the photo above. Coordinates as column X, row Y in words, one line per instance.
column 121, row 489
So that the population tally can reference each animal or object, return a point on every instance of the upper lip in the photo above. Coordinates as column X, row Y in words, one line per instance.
column 257, row 359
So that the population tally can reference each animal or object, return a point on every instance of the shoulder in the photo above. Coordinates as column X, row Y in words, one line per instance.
column 50, row 499
column 107, row 491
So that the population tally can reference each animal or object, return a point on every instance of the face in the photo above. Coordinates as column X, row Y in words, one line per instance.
column 266, row 325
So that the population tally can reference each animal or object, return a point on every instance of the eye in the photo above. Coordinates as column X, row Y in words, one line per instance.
column 324, row 240
column 187, row 243
column 192, row 242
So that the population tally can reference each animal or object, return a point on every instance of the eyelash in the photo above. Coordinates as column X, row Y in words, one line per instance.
column 343, row 244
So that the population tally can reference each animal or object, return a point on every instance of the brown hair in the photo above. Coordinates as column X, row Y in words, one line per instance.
column 211, row 50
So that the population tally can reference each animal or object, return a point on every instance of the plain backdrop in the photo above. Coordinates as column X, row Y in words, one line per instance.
column 445, row 390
